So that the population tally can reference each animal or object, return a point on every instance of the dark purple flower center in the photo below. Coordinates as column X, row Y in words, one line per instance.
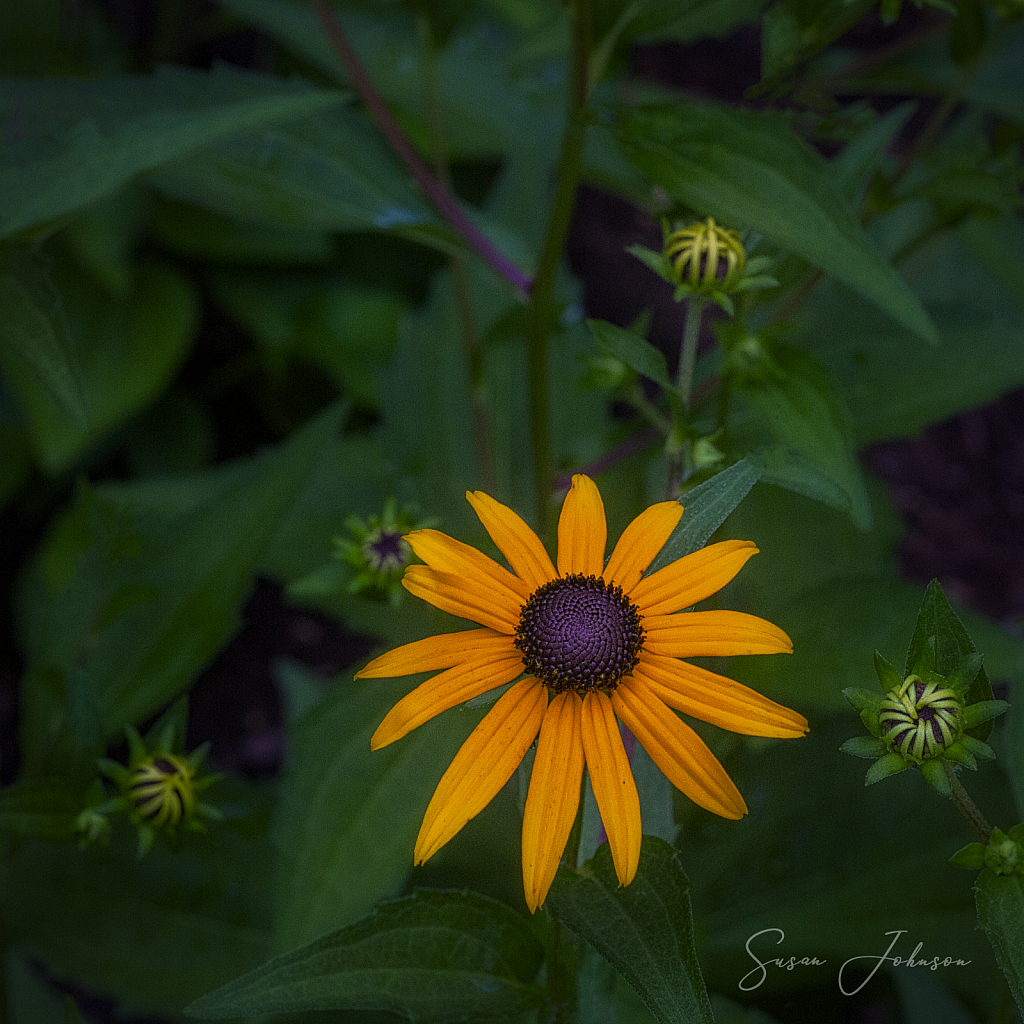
column 579, row 633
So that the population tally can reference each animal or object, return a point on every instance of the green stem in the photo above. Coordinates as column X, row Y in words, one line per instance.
column 691, row 338
column 541, row 313
column 967, row 806
column 677, row 450
column 460, row 276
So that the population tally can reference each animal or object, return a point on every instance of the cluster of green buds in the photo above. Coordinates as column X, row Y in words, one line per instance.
column 922, row 721
column 1003, row 854
column 158, row 789
column 377, row 551
column 705, row 259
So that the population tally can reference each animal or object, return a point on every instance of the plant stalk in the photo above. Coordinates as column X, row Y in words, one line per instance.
column 434, row 190
column 967, row 806
column 677, row 448
column 542, row 313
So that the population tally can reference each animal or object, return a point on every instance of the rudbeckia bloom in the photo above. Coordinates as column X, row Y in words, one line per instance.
column 596, row 642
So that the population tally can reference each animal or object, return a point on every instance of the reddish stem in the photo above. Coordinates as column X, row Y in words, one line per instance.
column 437, row 194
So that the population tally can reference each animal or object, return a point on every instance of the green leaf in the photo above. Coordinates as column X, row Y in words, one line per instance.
column 633, row 350
column 857, row 164
column 130, row 347
column 996, row 85
column 749, row 171
column 692, row 20
column 153, row 934
column 835, row 591
column 142, row 598
column 706, row 507
column 892, row 386
column 784, row 467
column 940, row 643
column 34, row 329
column 40, row 809
column 71, row 1012
column 484, row 108
column 432, row 956
column 644, row 930
column 1000, row 902
column 330, row 171
column 202, row 235
column 82, row 138
column 340, row 800
column 798, row 403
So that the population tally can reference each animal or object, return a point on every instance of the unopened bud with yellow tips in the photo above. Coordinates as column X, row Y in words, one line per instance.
column 159, row 789
column 920, row 722
column 162, row 790
column 703, row 258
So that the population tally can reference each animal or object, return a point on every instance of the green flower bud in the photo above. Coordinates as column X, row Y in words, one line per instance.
column 705, row 257
column 1004, row 857
column 162, row 792
column 377, row 550
column 921, row 719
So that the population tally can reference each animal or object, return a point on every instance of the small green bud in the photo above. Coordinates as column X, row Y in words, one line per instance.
column 921, row 719
column 705, row 455
column 376, row 549
column 1005, row 857
column 162, row 791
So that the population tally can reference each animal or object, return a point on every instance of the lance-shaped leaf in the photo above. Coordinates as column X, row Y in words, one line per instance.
column 750, row 171
column 941, row 643
column 798, row 403
column 73, row 141
column 644, row 930
column 1000, row 903
column 634, row 351
column 347, row 819
column 706, row 507
column 141, row 596
column 34, row 330
column 433, row 956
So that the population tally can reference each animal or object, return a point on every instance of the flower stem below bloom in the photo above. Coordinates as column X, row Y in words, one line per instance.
column 967, row 806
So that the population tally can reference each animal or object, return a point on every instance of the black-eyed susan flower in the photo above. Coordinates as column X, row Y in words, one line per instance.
column 599, row 644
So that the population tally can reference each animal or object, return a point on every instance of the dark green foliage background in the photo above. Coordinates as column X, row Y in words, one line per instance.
column 193, row 253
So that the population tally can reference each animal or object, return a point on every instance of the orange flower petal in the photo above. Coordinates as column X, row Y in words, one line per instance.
column 463, row 597
column 484, row 763
column 677, row 750
column 514, row 539
column 613, row 783
column 554, row 795
column 433, row 652
column 640, row 542
column 693, row 578
column 446, row 554
column 582, row 530
column 713, row 634
column 717, row 699
column 444, row 691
